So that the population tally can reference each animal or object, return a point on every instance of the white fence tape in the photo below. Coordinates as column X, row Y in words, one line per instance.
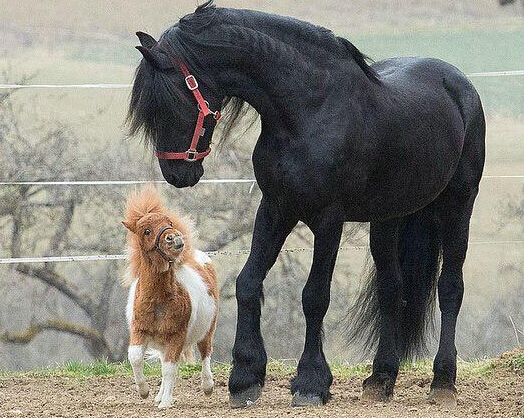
column 507, row 73
column 130, row 182
column 114, row 182
column 497, row 73
column 105, row 257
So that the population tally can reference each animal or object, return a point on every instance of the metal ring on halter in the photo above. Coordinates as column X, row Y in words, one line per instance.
column 207, row 104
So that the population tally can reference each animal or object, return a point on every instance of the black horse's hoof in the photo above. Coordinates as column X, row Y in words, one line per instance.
column 245, row 398
column 378, row 388
column 444, row 397
column 306, row 400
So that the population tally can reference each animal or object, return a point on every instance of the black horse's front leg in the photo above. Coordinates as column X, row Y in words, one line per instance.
column 314, row 378
column 272, row 226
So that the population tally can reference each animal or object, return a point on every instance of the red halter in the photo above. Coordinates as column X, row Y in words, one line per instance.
column 192, row 155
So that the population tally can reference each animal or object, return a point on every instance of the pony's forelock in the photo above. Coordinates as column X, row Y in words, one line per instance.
column 141, row 202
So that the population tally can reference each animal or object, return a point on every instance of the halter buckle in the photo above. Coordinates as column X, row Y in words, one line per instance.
column 191, row 82
column 191, row 156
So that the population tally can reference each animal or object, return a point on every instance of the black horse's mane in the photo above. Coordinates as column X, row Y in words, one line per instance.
column 156, row 99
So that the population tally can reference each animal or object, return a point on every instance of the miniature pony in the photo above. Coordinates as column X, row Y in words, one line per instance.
column 173, row 297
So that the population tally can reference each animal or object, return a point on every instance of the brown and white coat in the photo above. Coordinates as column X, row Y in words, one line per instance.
column 173, row 297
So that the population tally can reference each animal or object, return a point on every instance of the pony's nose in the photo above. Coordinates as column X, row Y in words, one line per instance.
column 176, row 241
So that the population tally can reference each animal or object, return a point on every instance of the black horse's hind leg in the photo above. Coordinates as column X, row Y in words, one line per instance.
column 455, row 216
column 249, row 356
column 384, row 249
column 311, row 385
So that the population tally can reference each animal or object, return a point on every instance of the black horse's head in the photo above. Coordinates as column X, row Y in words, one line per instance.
column 163, row 107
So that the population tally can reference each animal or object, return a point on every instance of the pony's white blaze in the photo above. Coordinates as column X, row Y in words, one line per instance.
column 203, row 306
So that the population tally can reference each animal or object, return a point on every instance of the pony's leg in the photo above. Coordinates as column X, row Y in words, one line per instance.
column 135, row 354
column 249, row 356
column 383, row 243
column 455, row 217
column 171, row 356
column 188, row 356
column 158, row 397
column 314, row 378
column 205, row 347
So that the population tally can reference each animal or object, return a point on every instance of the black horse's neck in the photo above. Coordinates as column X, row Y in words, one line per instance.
column 283, row 67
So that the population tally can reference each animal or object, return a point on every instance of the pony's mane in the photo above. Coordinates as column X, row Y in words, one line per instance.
column 140, row 203
column 156, row 99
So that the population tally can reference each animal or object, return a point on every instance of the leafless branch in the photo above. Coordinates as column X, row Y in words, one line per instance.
column 30, row 333
column 51, row 278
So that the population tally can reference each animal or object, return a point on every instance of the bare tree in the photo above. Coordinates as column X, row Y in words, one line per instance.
column 40, row 219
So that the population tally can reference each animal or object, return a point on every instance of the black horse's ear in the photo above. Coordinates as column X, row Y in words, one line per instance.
column 146, row 40
column 156, row 58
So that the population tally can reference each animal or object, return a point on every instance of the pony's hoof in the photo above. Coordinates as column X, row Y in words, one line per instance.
column 158, row 397
column 245, row 398
column 207, row 386
column 446, row 398
column 306, row 400
column 143, row 390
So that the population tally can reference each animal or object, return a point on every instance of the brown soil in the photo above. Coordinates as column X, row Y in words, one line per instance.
column 501, row 394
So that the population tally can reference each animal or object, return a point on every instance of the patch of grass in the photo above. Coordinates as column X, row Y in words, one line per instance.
column 344, row 370
column 513, row 360
column 281, row 368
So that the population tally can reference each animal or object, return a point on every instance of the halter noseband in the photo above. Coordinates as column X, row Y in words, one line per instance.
column 192, row 155
column 157, row 241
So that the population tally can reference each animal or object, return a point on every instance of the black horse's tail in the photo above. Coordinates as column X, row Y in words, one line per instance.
column 419, row 255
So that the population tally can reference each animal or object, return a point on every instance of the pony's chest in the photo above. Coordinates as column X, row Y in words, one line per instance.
column 165, row 315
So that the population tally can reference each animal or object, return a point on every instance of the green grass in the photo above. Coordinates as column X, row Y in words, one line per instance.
column 515, row 363
column 101, row 368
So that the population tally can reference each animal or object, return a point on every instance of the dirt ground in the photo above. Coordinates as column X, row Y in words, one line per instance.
column 500, row 394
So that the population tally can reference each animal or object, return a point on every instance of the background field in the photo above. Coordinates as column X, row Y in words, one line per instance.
column 92, row 42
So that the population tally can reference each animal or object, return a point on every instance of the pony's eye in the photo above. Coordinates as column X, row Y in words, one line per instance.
column 147, row 232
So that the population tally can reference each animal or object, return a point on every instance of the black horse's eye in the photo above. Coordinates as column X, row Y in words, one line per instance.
column 147, row 232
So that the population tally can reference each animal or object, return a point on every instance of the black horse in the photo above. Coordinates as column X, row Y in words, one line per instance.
column 399, row 144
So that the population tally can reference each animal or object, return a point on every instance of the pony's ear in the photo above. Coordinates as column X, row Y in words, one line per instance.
column 130, row 225
column 156, row 58
column 146, row 40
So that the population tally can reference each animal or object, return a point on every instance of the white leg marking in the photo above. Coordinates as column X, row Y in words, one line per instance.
column 169, row 372
column 207, row 383
column 158, row 396
column 135, row 354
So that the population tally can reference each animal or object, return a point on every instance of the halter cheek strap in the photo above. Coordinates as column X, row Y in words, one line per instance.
column 157, row 242
column 192, row 155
